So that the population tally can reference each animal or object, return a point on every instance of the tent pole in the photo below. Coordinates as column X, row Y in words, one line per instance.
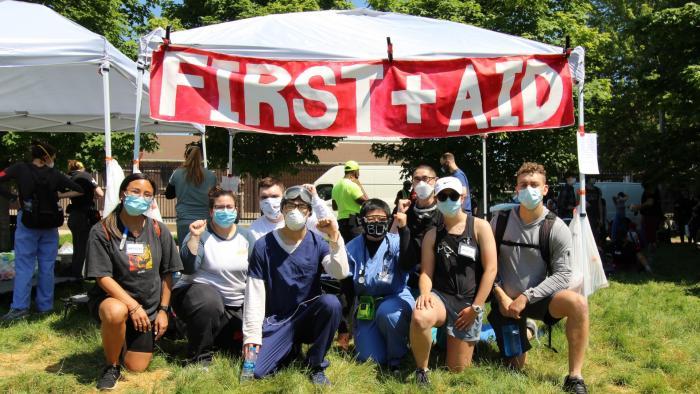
column 204, row 148
column 230, row 152
column 483, row 168
column 104, row 71
column 137, row 115
column 581, row 129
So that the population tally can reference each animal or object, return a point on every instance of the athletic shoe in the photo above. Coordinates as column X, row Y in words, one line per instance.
column 15, row 314
column 574, row 385
column 422, row 377
column 319, row 378
column 109, row 378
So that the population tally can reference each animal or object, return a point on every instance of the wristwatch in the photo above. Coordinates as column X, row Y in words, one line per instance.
column 164, row 308
column 478, row 308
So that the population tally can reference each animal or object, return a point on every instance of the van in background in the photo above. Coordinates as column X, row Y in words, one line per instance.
column 379, row 181
column 633, row 190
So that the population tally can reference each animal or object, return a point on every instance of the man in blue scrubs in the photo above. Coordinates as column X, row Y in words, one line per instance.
column 284, row 306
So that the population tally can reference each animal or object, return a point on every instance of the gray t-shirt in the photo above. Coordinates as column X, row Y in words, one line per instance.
column 522, row 269
column 192, row 200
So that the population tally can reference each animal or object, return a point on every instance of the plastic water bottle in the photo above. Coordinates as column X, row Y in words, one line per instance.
column 248, row 370
column 511, row 340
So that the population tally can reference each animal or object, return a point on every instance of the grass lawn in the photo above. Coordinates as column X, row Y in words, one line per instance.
column 645, row 337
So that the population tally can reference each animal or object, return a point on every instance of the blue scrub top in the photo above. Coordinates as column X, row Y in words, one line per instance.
column 383, row 276
column 290, row 279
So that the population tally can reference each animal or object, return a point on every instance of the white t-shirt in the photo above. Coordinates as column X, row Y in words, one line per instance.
column 224, row 266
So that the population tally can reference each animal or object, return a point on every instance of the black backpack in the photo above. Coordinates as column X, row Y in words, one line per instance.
column 545, row 231
column 42, row 210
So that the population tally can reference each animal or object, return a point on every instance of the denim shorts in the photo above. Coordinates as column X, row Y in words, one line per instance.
column 471, row 333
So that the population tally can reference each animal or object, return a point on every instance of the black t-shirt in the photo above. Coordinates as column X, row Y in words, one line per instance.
column 88, row 184
column 655, row 208
column 139, row 273
column 419, row 221
column 593, row 196
column 22, row 174
column 457, row 276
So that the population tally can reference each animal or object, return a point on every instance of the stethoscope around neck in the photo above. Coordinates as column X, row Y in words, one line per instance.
column 384, row 274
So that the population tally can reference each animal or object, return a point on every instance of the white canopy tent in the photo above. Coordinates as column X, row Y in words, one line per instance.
column 357, row 34
column 55, row 77
column 363, row 34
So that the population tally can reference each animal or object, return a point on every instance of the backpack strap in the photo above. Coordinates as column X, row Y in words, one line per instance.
column 501, row 223
column 545, row 233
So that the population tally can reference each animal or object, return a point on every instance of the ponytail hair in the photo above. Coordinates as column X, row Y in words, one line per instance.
column 193, row 165
column 74, row 165
column 110, row 221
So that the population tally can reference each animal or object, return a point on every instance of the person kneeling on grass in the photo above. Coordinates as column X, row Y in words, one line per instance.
column 458, row 267
column 132, row 258
column 534, row 278
column 209, row 298
column 380, row 273
column 284, row 306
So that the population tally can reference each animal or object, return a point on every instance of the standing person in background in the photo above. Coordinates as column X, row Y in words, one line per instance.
column 82, row 213
column 449, row 167
column 270, row 193
column 595, row 211
column 682, row 210
column 567, row 199
column 348, row 196
column 651, row 212
column 40, row 187
column 619, row 222
column 406, row 193
column 190, row 184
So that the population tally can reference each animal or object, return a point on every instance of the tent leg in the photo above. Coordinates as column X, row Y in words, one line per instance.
column 204, row 148
column 483, row 168
column 104, row 71
column 137, row 117
column 230, row 152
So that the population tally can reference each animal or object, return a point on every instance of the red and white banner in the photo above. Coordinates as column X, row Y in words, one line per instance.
column 414, row 99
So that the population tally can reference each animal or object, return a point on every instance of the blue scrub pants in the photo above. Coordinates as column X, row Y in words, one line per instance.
column 32, row 245
column 315, row 323
column 385, row 339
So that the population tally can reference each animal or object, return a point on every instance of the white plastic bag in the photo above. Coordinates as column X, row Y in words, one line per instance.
column 587, row 274
column 115, row 176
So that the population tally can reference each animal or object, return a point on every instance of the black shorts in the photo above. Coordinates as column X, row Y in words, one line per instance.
column 538, row 310
column 135, row 341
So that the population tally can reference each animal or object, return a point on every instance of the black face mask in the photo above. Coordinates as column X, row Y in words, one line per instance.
column 376, row 229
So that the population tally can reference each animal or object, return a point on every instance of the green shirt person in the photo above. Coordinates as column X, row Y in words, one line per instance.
column 348, row 194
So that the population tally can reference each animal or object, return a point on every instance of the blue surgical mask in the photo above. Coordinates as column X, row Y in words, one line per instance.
column 530, row 197
column 136, row 205
column 225, row 217
column 449, row 208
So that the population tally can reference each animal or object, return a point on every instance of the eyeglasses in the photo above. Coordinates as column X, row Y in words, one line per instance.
column 375, row 218
column 424, row 178
column 454, row 196
column 291, row 205
column 230, row 207
column 138, row 193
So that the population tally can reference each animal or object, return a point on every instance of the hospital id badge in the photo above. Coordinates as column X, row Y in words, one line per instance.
column 135, row 248
column 467, row 251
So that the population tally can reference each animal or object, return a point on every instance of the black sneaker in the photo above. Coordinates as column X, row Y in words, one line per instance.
column 422, row 377
column 15, row 315
column 109, row 378
column 574, row 385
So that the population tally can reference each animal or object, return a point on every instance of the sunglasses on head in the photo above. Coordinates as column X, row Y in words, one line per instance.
column 452, row 195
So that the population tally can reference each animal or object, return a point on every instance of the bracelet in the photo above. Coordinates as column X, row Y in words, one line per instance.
column 164, row 308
